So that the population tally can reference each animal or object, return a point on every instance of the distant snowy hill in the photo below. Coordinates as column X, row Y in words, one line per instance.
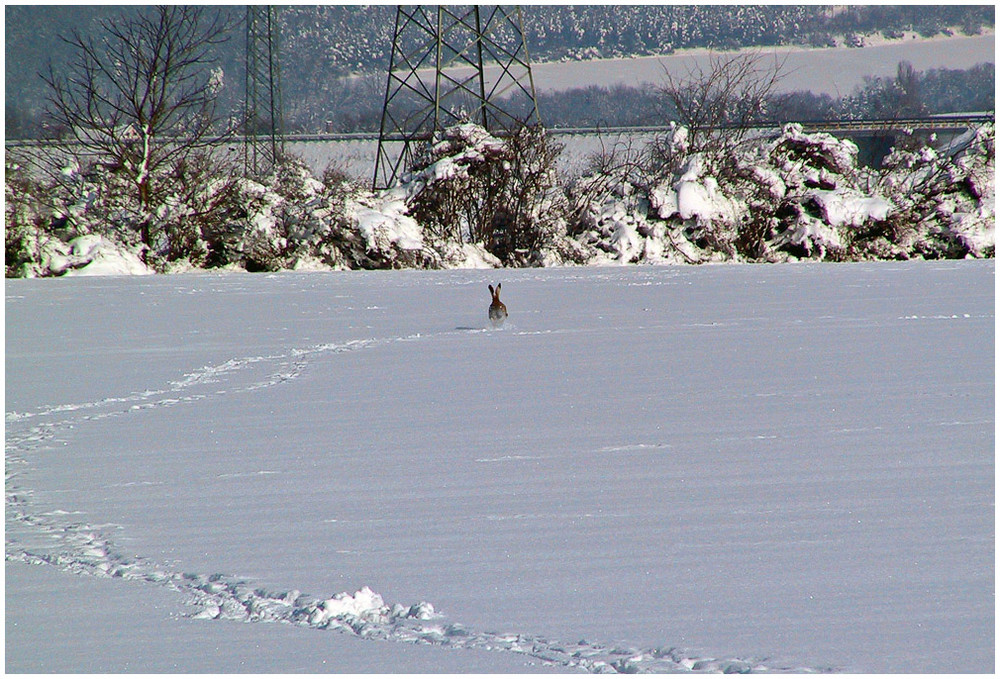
column 320, row 44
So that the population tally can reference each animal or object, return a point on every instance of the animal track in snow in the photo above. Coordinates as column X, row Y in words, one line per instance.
column 82, row 549
column 55, row 538
column 944, row 317
column 61, row 539
column 29, row 430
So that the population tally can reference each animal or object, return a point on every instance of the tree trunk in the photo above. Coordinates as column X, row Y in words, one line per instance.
column 144, row 231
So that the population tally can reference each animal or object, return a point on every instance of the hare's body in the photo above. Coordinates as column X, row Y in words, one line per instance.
column 498, row 312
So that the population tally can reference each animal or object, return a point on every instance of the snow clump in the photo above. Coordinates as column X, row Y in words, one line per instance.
column 90, row 255
column 359, row 610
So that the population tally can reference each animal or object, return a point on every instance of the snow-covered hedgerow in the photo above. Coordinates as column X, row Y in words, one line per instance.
column 474, row 200
column 481, row 201
column 208, row 219
column 291, row 220
column 796, row 196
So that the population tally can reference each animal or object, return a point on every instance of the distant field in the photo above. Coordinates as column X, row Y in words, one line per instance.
column 834, row 71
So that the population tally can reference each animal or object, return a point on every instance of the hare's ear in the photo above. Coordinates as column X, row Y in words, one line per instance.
column 491, row 289
column 498, row 287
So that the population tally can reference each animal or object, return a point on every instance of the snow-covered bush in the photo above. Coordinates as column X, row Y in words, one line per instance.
column 500, row 194
column 610, row 220
column 61, row 218
column 73, row 198
column 295, row 221
column 945, row 198
column 810, row 178
column 795, row 196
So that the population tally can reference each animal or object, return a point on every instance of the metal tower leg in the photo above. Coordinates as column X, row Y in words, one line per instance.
column 263, row 120
column 452, row 64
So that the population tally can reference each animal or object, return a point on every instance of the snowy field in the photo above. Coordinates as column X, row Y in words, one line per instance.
column 835, row 71
column 764, row 467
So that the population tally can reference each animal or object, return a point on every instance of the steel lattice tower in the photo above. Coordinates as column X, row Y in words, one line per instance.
column 263, row 122
column 452, row 64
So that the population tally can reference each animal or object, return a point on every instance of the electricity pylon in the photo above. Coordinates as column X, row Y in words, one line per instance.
column 263, row 122
column 452, row 64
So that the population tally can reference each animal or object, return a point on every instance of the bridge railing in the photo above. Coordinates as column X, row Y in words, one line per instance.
column 943, row 122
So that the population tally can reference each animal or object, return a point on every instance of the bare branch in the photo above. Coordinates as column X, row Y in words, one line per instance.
column 723, row 101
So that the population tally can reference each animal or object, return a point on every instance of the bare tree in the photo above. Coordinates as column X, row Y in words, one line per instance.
column 141, row 98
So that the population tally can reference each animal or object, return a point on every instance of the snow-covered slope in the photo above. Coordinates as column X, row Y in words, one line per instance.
column 652, row 468
column 832, row 71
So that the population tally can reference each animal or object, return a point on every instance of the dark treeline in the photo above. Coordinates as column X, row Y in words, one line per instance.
column 618, row 30
column 910, row 93
column 356, row 103
column 924, row 93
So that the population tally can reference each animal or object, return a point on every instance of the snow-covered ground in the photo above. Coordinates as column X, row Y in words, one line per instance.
column 835, row 71
column 653, row 468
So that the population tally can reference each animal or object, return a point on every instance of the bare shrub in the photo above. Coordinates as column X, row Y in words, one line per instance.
column 722, row 102
column 618, row 163
column 23, row 218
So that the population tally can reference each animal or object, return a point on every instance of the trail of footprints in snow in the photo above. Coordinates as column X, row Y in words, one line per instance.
column 84, row 549
column 209, row 381
column 290, row 366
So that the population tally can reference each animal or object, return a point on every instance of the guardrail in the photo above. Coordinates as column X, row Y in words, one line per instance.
column 942, row 122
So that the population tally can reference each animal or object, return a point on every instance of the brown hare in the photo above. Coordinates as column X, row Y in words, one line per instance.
column 498, row 312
